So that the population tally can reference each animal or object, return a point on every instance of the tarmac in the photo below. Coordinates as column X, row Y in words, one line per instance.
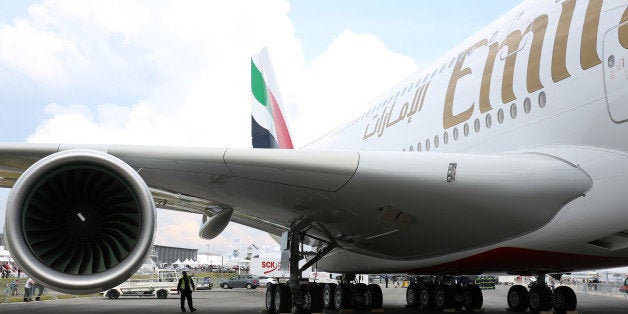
column 244, row 301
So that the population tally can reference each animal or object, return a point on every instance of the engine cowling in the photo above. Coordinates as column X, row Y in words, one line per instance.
column 80, row 221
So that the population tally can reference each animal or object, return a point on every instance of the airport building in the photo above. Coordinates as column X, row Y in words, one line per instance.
column 169, row 254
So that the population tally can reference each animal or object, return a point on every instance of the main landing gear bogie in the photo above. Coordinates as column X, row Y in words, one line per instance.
column 429, row 295
column 540, row 297
column 325, row 296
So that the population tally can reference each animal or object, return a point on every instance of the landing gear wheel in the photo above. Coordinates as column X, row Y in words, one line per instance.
column 342, row 297
column 283, row 299
column 412, row 295
column 162, row 294
column 457, row 290
column 517, row 298
column 540, row 299
column 113, row 294
column 270, row 300
column 564, row 299
column 314, row 297
column 328, row 296
column 443, row 297
column 374, row 298
column 426, row 296
column 474, row 297
column 358, row 297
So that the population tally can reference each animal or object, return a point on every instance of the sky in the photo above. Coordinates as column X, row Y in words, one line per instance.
column 177, row 72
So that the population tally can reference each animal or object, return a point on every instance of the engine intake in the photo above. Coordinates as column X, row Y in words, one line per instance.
column 80, row 221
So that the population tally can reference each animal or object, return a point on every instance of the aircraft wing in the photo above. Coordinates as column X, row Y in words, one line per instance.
column 359, row 200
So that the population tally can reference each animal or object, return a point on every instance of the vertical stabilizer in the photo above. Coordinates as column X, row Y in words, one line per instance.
column 268, row 125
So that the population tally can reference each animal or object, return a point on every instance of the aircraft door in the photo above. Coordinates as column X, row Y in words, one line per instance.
column 615, row 64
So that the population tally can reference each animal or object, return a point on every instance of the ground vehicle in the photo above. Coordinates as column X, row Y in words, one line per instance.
column 264, row 280
column 241, row 281
column 624, row 287
column 162, row 283
column 204, row 283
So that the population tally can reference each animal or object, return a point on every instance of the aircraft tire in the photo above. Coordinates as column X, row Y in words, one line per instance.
column 328, row 296
column 540, row 299
column 412, row 295
column 270, row 297
column 426, row 295
column 342, row 297
column 564, row 299
column 375, row 298
column 283, row 299
column 443, row 297
column 475, row 299
column 517, row 298
column 314, row 297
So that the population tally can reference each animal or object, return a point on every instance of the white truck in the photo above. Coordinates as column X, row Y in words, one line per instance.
column 267, row 265
column 160, row 284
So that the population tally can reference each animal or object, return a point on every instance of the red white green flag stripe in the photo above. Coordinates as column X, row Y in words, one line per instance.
column 266, row 112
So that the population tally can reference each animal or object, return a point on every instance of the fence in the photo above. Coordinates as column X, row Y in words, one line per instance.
column 602, row 288
column 11, row 291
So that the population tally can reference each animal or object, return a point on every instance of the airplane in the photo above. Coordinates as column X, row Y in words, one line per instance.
column 506, row 155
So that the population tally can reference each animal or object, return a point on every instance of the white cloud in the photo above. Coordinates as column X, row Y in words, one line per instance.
column 355, row 69
column 188, row 64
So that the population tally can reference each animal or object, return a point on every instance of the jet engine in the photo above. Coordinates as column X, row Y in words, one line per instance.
column 80, row 221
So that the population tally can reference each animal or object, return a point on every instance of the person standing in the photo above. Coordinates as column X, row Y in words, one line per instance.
column 39, row 289
column 185, row 287
column 28, row 289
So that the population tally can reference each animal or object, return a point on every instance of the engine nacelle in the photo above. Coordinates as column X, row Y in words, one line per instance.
column 80, row 221
column 215, row 224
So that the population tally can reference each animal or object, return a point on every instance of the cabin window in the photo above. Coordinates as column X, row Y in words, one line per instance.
column 513, row 111
column 488, row 121
column 418, row 147
column 427, row 145
column 476, row 125
column 455, row 133
column 411, row 148
column 500, row 116
column 445, row 138
column 466, row 129
column 527, row 105
column 542, row 100
column 436, row 141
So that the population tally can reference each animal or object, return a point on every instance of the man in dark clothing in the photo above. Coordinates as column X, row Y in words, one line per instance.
column 185, row 287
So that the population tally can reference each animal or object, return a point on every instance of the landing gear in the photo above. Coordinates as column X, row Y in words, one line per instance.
column 442, row 294
column 297, row 293
column 541, row 298
column 356, row 296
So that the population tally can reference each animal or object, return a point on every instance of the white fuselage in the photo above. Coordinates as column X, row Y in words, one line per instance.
column 547, row 77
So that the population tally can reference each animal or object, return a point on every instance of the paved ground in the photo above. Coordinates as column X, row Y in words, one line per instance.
column 252, row 301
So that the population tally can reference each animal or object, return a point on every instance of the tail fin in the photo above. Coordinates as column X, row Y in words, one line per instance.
column 269, row 128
